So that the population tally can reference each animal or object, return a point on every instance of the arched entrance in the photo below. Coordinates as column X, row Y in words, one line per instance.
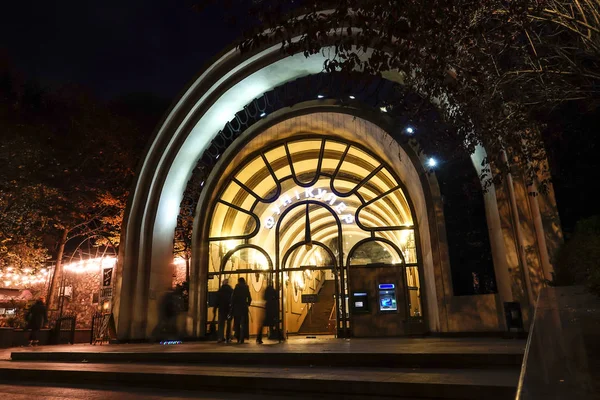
column 306, row 212
column 238, row 96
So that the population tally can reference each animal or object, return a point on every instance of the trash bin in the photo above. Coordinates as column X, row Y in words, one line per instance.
column 514, row 316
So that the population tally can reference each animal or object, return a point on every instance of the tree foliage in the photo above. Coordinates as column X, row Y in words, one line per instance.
column 68, row 161
column 488, row 66
column 579, row 258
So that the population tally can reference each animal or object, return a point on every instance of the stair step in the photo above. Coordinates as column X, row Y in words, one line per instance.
column 269, row 355
column 334, row 382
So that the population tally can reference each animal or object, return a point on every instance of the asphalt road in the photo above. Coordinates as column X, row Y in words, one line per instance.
column 29, row 392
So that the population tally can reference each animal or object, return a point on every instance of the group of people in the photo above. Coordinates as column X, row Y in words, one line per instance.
column 235, row 304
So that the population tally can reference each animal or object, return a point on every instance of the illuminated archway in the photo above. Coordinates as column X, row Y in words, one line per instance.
column 192, row 127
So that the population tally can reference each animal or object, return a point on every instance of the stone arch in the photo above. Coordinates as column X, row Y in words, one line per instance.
column 228, row 84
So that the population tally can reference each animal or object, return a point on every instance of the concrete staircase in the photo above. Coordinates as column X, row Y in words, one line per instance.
column 426, row 368
column 318, row 322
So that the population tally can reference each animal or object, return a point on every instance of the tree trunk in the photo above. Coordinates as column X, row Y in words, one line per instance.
column 51, row 301
column 187, row 268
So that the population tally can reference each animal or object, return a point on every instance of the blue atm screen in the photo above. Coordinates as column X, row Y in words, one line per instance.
column 387, row 297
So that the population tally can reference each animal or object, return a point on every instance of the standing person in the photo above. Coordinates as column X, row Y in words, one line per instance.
column 224, row 306
column 240, row 301
column 36, row 317
column 168, row 310
column 271, row 311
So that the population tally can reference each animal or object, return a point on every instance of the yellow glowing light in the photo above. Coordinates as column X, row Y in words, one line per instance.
column 298, row 280
column 404, row 236
column 261, row 261
column 230, row 245
column 179, row 260
column 91, row 265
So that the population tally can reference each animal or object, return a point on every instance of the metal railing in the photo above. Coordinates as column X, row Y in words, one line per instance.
column 64, row 330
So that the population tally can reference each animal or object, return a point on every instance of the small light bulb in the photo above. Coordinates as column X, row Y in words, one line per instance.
column 263, row 114
column 410, row 130
column 352, row 97
column 320, row 96
column 432, row 162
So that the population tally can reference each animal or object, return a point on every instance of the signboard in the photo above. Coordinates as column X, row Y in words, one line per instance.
column 105, row 330
column 107, row 277
column 310, row 298
column 320, row 195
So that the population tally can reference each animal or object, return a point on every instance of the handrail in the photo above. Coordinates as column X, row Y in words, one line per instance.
column 331, row 317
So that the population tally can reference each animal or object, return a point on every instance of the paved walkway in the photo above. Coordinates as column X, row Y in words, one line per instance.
column 303, row 345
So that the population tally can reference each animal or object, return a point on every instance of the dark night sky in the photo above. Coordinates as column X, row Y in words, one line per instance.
column 113, row 47
column 116, row 47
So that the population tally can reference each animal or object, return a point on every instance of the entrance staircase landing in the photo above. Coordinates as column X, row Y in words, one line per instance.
column 423, row 368
column 317, row 321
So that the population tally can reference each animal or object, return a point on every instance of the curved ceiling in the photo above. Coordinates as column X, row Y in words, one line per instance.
column 269, row 197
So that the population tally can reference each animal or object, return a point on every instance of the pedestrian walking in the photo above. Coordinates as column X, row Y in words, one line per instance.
column 271, row 312
column 36, row 318
column 223, row 306
column 240, row 303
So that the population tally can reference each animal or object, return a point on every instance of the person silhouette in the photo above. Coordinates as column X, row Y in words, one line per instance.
column 240, row 303
column 36, row 318
column 224, row 307
column 271, row 310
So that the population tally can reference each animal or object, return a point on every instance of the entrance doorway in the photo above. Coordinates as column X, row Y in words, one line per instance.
column 305, row 215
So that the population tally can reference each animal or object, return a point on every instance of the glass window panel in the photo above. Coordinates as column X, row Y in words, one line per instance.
column 414, row 291
column 392, row 208
column 408, row 245
column 305, row 157
column 390, row 177
column 249, row 258
column 352, row 170
column 232, row 194
column 364, row 157
column 305, row 170
column 249, row 170
column 335, row 147
column 278, row 160
column 329, row 165
column 374, row 252
column 314, row 256
column 228, row 222
column 367, row 193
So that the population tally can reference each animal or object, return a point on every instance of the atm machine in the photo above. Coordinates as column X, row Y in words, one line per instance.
column 386, row 296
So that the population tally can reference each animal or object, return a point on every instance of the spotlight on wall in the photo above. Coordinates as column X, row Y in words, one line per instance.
column 432, row 162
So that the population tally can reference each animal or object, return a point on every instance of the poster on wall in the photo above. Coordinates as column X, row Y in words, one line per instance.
column 107, row 277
